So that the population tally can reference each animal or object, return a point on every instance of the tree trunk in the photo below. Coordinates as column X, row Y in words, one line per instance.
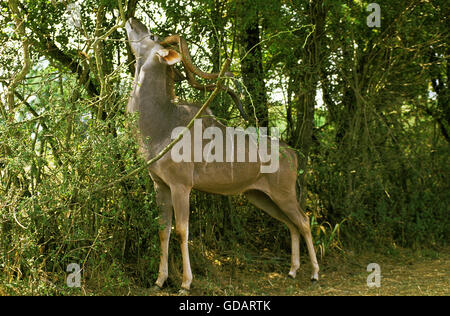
column 303, row 133
column 255, row 103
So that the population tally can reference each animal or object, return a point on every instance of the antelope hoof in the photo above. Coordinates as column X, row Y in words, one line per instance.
column 156, row 288
column 183, row 292
column 292, row 274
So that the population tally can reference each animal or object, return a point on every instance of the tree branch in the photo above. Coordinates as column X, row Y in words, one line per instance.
column 20, row 29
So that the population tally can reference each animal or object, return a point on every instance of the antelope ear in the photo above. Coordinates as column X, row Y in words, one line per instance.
column 168, row 56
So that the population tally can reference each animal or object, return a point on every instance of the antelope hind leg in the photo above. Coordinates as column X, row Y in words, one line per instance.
column 264, row 202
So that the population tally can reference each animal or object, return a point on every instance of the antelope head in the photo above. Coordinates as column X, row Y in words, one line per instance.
column 144, row 45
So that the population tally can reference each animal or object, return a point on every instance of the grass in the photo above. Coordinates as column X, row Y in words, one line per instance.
column 403, row 272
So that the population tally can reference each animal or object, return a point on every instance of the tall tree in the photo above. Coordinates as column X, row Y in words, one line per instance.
column 250, row 51
column 310, row 57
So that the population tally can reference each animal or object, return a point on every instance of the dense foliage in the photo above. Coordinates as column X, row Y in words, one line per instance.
column 366, row 108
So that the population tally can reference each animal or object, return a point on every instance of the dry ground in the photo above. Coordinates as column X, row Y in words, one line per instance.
column 403, row 272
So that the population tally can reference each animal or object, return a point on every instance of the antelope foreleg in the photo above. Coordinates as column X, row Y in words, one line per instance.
column 180, row 200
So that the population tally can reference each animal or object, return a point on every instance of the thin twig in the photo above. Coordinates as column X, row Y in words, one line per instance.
column 278, row 34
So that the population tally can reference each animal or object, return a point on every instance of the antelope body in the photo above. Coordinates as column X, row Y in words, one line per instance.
column 274, row 193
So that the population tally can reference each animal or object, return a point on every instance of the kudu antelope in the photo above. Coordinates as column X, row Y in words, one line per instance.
column 274, row 193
